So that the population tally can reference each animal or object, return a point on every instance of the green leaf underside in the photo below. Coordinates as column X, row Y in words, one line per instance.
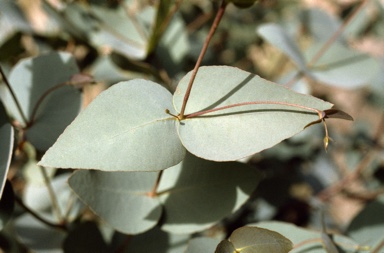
column 119, row 198
column 197, row 193
column 124, row 129
column 259, row 240
column 219, row 135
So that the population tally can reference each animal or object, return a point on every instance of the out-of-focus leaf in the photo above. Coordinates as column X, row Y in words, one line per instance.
column 125, row 128
column 37, row 236
column 85, row 238
column 259, row 240
column 366, row 228
column 312, row 240
column 163, row 10
column 30, row 79
column 343, row 67
column 37, row 197
column 174, row 46
column 225, row 246
column 119, row 198
column 7, row 204
column 6, row 146
column 320, row 24
column 11, row 20
column 113, row 28
column 202, row 244
column 198, row 193
column 329, row 245
column 240, row 131
column 277, row 36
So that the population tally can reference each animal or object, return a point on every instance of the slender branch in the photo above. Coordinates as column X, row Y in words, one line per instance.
column 153, row 193
column 52, row 195
column 38, row 217
column 196, row 114
column 41, row 99
column 214, row 26
column 5, row 79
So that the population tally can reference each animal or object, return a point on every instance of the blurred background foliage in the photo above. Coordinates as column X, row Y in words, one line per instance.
column 119, row 40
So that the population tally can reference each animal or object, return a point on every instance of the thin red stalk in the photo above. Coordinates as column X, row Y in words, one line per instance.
column 5, row 79
column 196, row 114
column 214, row 26
column 154, row 189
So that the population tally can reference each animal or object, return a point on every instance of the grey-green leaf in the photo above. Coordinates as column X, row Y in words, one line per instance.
column 343, row 67
column 277, row 36
column 259, row 240
column 6, row 146
column 202, row 244
column 241, row 131
column 198, row 193
column 119, row 198
column 125, row 128
column 30, row 79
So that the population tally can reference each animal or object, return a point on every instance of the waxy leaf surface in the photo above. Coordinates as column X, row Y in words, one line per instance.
column 119, row 198
column 124, row 129
column 6, row 147
column 30, row 79
column 198, row 193
column 259, row 240
column 240, row 131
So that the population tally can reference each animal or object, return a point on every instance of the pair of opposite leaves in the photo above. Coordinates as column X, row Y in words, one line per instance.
column 127, row 127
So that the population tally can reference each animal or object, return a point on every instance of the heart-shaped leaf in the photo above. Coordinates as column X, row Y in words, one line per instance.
column 186, row 191
column 197, row 193
column 125, row 128
column 240, row 131
column 120, row 198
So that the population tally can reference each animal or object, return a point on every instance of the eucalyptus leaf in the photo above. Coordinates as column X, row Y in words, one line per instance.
column 366, row 228
column 198, row 193
column 31, row 79
column 311, row 241
column 259, row 240
column 225, row 246
column 6, row 146
column 277, row 36
column 240, row 131
column 202, row 244
column 37, row 236
column 125, row 128
column 119, row 198
column 343, row 67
